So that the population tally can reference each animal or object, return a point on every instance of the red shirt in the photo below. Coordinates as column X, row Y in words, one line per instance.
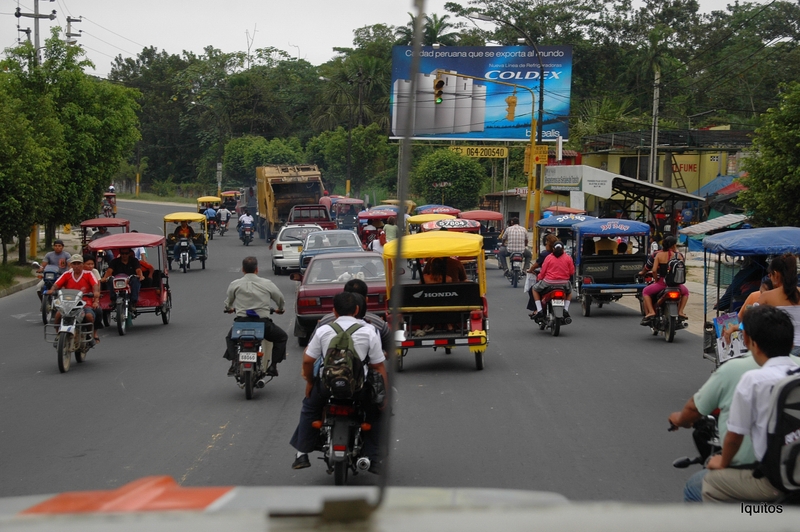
column 557, row 268
column 85, row 283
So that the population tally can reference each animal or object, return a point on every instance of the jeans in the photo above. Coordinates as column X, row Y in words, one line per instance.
column 133, row 283
column 503, row 253
column 272, row 333
column 176, row 251
column 306, row 437
column 693, row 490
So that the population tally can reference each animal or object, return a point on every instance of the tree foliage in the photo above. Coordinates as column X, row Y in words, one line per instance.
column 461, row 179
column 773, row 178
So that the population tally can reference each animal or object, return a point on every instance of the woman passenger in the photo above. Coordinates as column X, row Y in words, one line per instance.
column 669, row 248
column 783, row 273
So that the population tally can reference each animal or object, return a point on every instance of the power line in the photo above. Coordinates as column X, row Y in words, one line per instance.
column 108, row 43
column 115, row 33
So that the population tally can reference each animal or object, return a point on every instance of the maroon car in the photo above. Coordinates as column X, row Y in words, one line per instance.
column 325, row 277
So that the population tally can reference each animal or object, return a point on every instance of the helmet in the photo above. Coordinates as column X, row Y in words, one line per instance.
column 111, row 188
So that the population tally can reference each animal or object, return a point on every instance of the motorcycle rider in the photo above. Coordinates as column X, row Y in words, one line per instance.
column 58, row 258
column 210, row 213
column 368, row 346
column 223, row 215
column 184, row 230
column 515, row 240
column 251, row 294
column 768, row 333
column 557, row 269
column 244, row 219
column 125, row 264
column 669, row 248
column 85, row 281
column 357, row 286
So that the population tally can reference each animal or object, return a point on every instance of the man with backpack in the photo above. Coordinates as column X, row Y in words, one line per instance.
column 769, row 334
column 367, row 347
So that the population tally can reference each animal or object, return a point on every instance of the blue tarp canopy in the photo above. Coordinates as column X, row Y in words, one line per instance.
column 564, row 220
column 711, row 188
column 759, row 241
column 610, row 227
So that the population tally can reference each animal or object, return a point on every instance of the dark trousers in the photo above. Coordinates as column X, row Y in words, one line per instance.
column 306, row 437
column 272, row 333
column 135, row 286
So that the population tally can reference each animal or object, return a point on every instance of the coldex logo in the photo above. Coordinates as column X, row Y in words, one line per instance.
column 511, row 74
column 435, row 294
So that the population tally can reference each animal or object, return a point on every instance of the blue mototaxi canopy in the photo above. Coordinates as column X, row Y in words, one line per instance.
column 759, row 241
column 564, row 220
column 610, row 227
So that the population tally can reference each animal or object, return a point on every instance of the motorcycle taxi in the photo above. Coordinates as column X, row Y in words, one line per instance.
column 448, row 314
column 200, row 239
column 368, row 219
column 492, row 220
column 230, row 200
column 89, row 229
column 154, row 294
column 458, row 226
column 603, row 275
column 765, row 241
column 203, row 203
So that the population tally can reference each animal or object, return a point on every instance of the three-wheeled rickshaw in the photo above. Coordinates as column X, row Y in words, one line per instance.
column 369, row 218
column 561, row 226
column 203, row 203
column 344, row 211
column 458, row 226
column 410, row 205
column 414, row 223
column 604, row 275
column 154, row 293
column 90, row 232
column 440, row 209
column 763, row 241
column 230, row 200
column 493, row 224
column 179, row 242
column 441, row 314
column 109, row 205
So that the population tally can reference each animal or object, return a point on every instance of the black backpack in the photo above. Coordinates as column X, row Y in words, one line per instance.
column 676, row 271
column 342, row 374
column 780, row 463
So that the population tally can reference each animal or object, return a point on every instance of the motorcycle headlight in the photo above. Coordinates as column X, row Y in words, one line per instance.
column 120, row 284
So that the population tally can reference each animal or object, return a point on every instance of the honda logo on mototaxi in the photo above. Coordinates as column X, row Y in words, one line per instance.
column 435, row 294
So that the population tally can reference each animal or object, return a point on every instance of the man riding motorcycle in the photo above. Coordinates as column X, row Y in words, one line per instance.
column 251, row 295
column 79, row 279
column 368, row 347
column 125, row 264
column 515, row 240
column 57, row 258
column 244, row 219
column 184, row 230
column 557, row 269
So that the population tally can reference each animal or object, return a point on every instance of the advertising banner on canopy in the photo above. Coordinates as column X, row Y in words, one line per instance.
column 467, row 109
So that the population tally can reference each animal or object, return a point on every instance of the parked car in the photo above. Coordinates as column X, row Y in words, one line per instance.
column 287, row 247
column 336, row 241
column 325, row 277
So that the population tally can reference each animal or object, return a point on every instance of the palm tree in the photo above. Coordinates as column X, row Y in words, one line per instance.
column 435, row 30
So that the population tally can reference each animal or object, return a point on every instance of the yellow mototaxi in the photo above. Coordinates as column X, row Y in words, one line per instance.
column 447, row 311
column 203, row 203
column 414, row 222
column 410, row 205
column 199, row 224
column 230, row 199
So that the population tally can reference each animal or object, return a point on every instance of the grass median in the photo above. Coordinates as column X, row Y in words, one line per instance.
column 149, row 196
column 8, row 273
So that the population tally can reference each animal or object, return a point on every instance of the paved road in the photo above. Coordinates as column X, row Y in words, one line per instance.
column 583, row 414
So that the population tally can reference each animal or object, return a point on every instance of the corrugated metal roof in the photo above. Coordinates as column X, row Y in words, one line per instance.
column 712, row 225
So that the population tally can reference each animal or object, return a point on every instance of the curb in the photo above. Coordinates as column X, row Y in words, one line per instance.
column 18, row 287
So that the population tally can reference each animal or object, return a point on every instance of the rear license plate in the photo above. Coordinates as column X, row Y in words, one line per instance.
column 558, row 302
column 248, row 357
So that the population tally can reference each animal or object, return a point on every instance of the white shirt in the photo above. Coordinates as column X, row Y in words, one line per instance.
column 365, row 340
column 224, row 214
column 245, row 219
column 139, row 253
column 750, row 408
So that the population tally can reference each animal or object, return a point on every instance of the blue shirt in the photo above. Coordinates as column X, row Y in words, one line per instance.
column 210, row 213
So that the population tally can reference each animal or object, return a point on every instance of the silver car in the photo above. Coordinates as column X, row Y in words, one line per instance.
column 287, row 247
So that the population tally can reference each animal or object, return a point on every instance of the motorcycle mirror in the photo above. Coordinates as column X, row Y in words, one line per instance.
column 35, row 264
column 296, row 276
column 683, row 462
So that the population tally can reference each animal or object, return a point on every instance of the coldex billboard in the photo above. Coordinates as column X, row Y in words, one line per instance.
column 481, row 110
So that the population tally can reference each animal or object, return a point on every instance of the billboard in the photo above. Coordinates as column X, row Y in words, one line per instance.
column 480, row 109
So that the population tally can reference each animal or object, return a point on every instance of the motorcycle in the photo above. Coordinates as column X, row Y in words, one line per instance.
column 706, row 438
column 223, row 228
column 253, row 355
column 49, row 276
column 72, row 335
column 212, row 228
column 514, row 273
column 247, row 234
column 552, row 315
column 123, row 314
column 341, row 439
column 666, row 320
column 108, row 211
column 183, row 257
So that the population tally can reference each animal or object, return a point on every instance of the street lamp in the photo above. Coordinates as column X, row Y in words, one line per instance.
column 537, row 199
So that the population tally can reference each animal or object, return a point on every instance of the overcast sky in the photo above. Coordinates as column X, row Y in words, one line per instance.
column 308, row 29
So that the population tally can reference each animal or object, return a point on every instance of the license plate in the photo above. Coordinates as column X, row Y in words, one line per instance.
column 299, row 249
column 558, row 302
column 248, row 357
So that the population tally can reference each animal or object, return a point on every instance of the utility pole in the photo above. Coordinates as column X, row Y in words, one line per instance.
column 36, row 16
column 26, row 31
column 653, row 167
column 71, row 41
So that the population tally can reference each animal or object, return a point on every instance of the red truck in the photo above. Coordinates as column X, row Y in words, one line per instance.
column 311, row 214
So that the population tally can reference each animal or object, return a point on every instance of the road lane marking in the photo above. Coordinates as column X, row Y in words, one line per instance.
column 205, row 452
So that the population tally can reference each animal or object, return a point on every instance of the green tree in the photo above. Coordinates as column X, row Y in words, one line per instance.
column 773, row 180
column 464, row 178
column 244, row 154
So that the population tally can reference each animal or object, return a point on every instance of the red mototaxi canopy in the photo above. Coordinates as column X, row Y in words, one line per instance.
column 127, row 240
column 376, row 214
column 481, row 215
column 106, row 222
column 564, row 210
column 465, row 226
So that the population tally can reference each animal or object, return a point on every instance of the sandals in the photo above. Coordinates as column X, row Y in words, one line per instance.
column 646, row 321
